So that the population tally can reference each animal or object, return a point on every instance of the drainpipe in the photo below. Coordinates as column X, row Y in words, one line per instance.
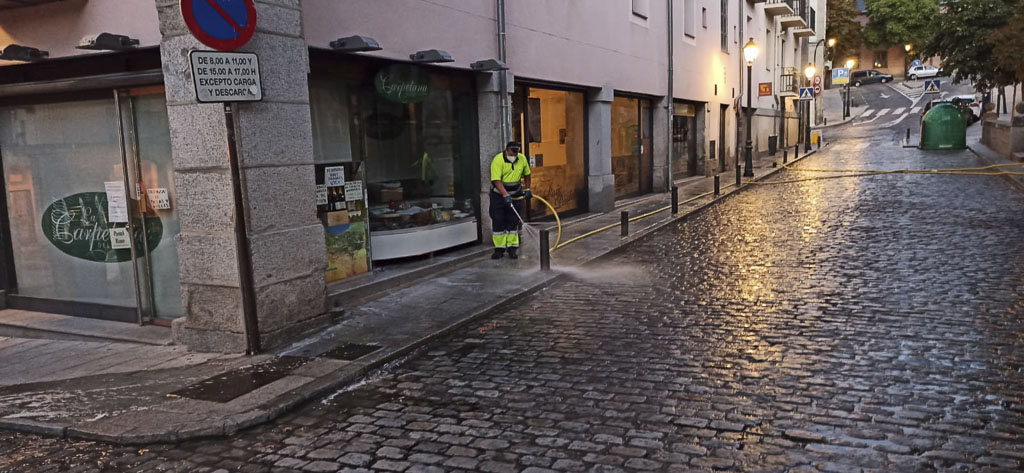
column 739, row 100
column 504, row 106
column 671, row 97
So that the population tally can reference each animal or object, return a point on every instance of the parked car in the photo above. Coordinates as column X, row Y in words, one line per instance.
column 871, row 76
column 968, row 105
column 923, row 70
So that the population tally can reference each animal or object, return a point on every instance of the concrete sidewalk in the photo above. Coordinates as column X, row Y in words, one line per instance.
column 833, row 109
column 990, row 156
column 176, row 396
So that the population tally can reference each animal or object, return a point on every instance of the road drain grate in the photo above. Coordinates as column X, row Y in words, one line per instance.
column 232, row 384
column 350, row 351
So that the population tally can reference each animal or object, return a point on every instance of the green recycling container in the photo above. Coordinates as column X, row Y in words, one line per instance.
column 943, row 127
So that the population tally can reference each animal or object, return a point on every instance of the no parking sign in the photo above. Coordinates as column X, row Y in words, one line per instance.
column 220, row 24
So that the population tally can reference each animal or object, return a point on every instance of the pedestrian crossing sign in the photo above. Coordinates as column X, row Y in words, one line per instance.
column 931, row 86
column 806, row 94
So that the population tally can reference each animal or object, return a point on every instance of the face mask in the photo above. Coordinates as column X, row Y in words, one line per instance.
column 512, row 158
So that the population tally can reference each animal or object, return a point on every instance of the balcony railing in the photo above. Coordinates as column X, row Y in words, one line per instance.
column 788, row 84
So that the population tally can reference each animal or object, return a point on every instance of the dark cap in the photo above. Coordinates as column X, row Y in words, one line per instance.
column 513, row 145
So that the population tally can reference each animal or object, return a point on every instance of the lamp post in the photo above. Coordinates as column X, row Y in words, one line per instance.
column 846, row 106
column 906, row 60
column 809, row 74
column 750, row 52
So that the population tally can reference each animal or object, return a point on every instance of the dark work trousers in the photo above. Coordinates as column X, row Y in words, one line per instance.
column 504, row 223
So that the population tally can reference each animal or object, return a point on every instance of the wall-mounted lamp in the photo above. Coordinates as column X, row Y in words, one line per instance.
column 489, row 65
column 355, row 44
column 107, row 42
column 431, row 55
column 16, row 52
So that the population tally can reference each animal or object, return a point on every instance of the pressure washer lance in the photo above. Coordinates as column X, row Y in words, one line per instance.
column 517, row 213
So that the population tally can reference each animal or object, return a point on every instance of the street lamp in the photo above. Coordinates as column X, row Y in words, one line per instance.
column 750, row 51
column 809, row 74
column 846, row 106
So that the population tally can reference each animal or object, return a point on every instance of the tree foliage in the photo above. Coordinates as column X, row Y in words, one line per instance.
column 842, row 25
column 899, row 22
column 967, row 27
column 1007, row 45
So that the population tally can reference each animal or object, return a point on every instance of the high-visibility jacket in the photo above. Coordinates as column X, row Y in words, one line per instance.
column 509, row 173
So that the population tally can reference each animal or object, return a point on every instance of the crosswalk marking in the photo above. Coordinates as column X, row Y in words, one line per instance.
column 915, row 110
column 882, row 112
column 896, row 121
column 898, row 111
column 866, row 113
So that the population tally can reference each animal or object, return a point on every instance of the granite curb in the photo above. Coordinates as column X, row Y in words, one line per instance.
column 229, row 422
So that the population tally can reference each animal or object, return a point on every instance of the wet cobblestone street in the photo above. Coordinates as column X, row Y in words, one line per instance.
column 847, row 325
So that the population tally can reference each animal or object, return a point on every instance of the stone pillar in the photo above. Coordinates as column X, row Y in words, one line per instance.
column 489, row 132
column 706, row 162
column 274, row 144
column 661, row 140
column 600, row 180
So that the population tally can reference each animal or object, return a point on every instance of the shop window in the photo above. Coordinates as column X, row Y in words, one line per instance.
column 684, row 158
column 395, row 153
column 881, row 59
column 631, row 148
column 549, row 123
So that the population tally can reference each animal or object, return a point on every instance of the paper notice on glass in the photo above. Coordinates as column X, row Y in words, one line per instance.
column 117, row 203
column 353, row 191
column 119, row 239
column 158, row 198
column 334, row 176
column 321, row 194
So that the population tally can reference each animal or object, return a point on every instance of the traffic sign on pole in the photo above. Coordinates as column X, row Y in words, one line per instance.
column 917, row 62
column 840, row 76
column 931, row 86
column 806, row 94
column 220, row 24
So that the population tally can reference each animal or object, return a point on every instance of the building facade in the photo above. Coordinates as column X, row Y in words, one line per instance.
column 126, row 198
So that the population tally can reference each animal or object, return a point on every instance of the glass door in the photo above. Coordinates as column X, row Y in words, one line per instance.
column 90, row 193
column 153, row 198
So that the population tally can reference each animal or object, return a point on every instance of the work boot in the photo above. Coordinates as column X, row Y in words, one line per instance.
column 498, row 252
column 512, row 253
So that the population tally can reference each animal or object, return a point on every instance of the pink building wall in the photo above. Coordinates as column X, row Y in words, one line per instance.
column 58, row 27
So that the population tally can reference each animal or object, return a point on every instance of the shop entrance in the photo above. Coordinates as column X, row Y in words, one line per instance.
column 91, row 207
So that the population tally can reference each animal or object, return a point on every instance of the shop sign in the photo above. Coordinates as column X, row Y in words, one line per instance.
column 764, row 89
column 226, row 77
column 684, row 110
column 403, row 83
column 79, row 226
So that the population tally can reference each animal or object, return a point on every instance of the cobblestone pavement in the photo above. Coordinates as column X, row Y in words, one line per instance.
column 865, row 324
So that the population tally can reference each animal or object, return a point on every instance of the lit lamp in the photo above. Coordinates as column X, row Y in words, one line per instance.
column 908, row 47
column 831, row 42
column 750, row 51
column 850, row 63
column 809, row 74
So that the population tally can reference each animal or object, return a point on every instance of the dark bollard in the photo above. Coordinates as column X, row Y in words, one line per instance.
column 785, row 156
column 819, row 142
column 545, row 251
column 908, row 136
column 718, row 186
column 739, row 179
column 675, row 198
column 625, row 223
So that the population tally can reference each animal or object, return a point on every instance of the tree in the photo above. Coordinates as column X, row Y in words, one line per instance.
column 1006, row 46
column 967, row 26
column 842, row 25
column 899, row 22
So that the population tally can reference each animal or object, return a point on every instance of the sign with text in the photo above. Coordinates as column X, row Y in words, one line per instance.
column 79, row 225
column 764, row 89
column 226, row 77
column 403, row 83
column 840, row 76
column 334, row 176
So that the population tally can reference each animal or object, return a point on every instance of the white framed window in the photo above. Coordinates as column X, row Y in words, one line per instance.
column 690, row 18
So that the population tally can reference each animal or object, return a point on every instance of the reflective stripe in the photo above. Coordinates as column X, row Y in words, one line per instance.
column 512, row 240
column 501, row 239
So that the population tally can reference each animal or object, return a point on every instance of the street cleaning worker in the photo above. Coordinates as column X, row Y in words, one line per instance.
column 508, row 168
